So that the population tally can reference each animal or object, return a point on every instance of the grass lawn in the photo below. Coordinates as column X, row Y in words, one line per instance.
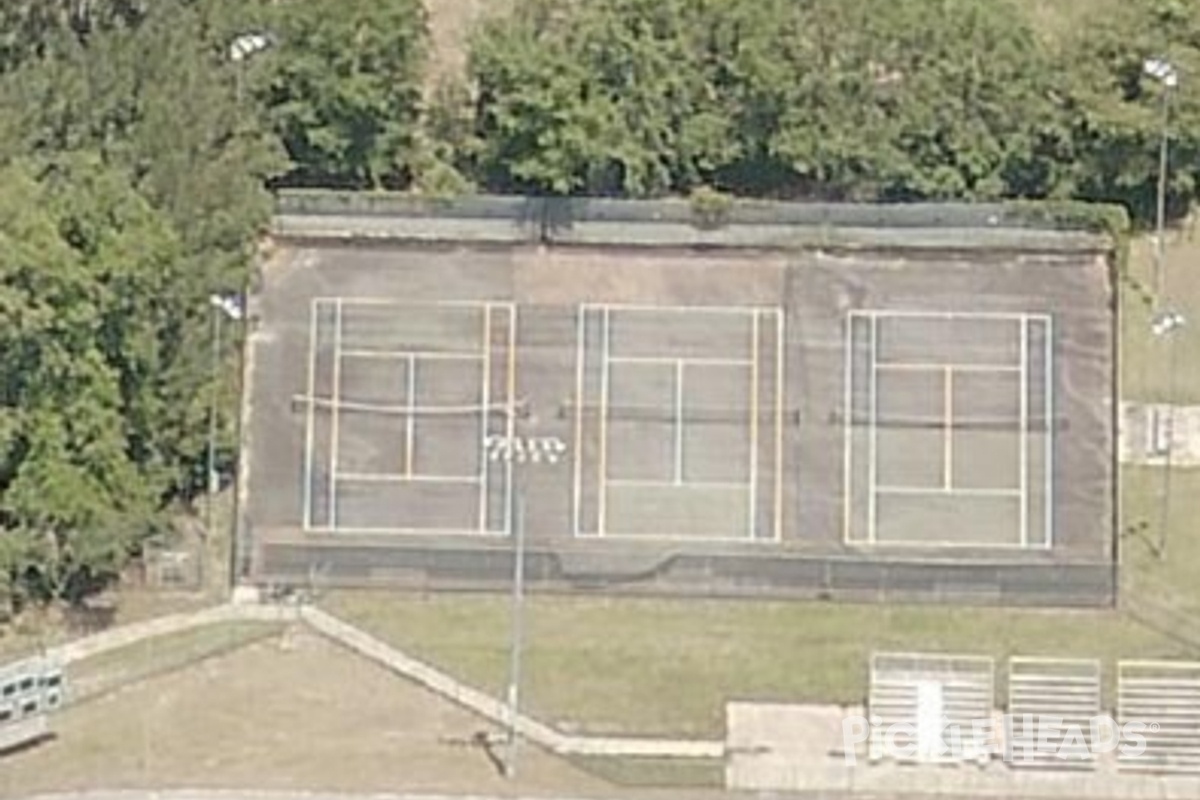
column 654, row 666
column 668, row 666
column 1146, row 358
column 655, row 772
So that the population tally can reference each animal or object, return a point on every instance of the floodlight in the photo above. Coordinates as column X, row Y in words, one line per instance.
column 1161, row 70
column 248, row 44
column 230, row 305
column 1167, row 322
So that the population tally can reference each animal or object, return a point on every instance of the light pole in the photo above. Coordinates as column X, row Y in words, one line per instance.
column 1166, row 325
column 242, row 49
column 221, row 306
column 518, row 450
column 1165, row 73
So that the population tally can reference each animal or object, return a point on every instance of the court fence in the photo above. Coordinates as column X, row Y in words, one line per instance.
column 680, row 222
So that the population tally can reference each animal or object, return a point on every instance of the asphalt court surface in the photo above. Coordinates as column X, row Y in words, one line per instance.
column 678, row 422
column 400, row 399
column 947, row 441
column 756, row 417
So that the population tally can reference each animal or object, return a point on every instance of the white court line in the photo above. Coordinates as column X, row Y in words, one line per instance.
column 946, row 544
column 1010, row 316
column 1023, row 433
column 848, row 434
column 333, row 435
column 580, row 355
column 628, row 483
column 678, row 422
column 400, row 477
column 353, row 300
column 400, row 355
column 602, row 510
column 780, row 345
column 410, row 420
column 310, row 411
column 366, row 530
column 948, row 429
column 653, row 309
column 932, row 366
column 941, row 492
column 689, row 360
column 1048, row 501
column 873, row 436
column 401, row 410
column 698, row 541
column 754, row 412
column 486, row 380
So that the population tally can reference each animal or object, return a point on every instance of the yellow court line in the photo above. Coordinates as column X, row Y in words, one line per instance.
column 848, row 430
column 410, row 422
column 485, row 416
column 580, row 355
column 602, row 509
column 948, row 428
column 510, row 427
column 310, row 422
column 336, row 396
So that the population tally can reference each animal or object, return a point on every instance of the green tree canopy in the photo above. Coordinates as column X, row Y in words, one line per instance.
column 344, row 90
column 911, row 99
column 133, row 189
column 1117, row 111
column 852, row 99
column 83, row 261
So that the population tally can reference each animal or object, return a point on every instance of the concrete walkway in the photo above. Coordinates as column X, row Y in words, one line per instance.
column 779, row 748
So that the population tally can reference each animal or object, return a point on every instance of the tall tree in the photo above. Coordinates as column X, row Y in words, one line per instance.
column 918, row 99
column 344, row 90
column 617, row 96
column 84, row 260
column 912, row 99
column 138, row 179
column 1118, row 111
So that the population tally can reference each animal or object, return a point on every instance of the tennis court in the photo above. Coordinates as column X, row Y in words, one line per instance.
column 401, row 399
column 679, row 422
column 948, row 437
column 925, row 414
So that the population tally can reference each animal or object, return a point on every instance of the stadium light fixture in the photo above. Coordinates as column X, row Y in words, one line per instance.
column 516, row 450
column 228, row 304
column 1167, row 322
column 249, row 44
column 243, row 48
column 1161, row 70
column 222, row 306
column 1164, row 326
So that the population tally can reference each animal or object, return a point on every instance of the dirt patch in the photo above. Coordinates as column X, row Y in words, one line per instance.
column 287, row 714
